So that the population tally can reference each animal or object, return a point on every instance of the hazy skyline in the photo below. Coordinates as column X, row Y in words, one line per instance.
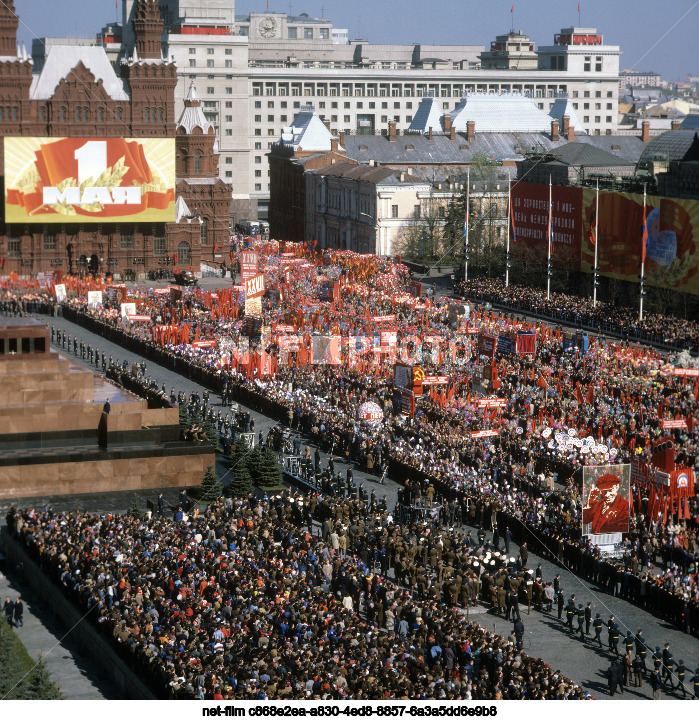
column 634, row 25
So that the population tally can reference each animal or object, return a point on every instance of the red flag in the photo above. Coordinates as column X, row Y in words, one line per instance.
column 578, row 5
column 589, row 398
column 512, row 9
column 593, row 220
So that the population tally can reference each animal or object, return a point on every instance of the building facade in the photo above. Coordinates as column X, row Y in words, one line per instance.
column 78, row 94
column 255, row 72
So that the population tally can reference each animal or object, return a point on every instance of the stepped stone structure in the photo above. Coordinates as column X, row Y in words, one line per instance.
column 55, row 437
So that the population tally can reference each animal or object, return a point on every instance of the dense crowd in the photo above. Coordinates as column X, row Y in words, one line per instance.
column 654, row 327
column 242, row 601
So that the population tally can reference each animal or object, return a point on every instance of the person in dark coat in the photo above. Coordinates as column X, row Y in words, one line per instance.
column 598, row 623
column 588, row 617
column 19, row 612
column 9, row 609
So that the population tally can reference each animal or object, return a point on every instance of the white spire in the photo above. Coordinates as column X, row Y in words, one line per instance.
column 192, row 92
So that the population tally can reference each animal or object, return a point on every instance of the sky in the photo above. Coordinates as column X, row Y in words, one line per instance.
column 653, row 35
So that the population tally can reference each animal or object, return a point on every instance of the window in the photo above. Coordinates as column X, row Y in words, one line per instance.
column 408, row 118
column 575, row 105
column 258, row 186
column 258, row 173
column 49, row 241
column 209, row 63
column 598, row 64
column 396, row 118
column 159, row 245
column 258, row 118
column 14, row 249
column 608, row 119
column 586, row 119
column 609, row 106
column 372, row 106
column 229, row 131
column 598, row 119
column 394, row 211
column 574, row 94
column 360, row 106
column 100, row 114
column 197, row 162
column 283, row 118
column 258, row 104
column 184, row 253
column 333, row 118
column 118, row 114
column 126, row 242
column 610, row 94
column 209, row 90
column 229, row 51
column 258, row 146
column 598, row 93
column 347, row 105
column 586, row 106
column 308, row 33
column 384, row 106
column 229, row 174
column 229, row 118
column 229, row 104
column 192, row 51
column 384, row 118
column 292, row 33
column 598, row 106
column 270, row 118
column 270, row 131
column 229, row 91
column 283, row 104
column 228, row 160
column 416, row 211
column 209, row 51
column 297, row 105
column 204, row 232
column 586, row 65
column 347, row 119
column 586, row 94
column 325, row 33
column 409, row 106
column 258, row 131
column 333, row 105
column 258, row 160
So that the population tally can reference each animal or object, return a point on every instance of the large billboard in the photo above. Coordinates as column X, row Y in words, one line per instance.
column 672, row 260
column 606, row 492
column 89, row 180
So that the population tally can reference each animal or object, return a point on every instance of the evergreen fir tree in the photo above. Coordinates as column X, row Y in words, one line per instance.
column 211, row 487
column 255, row 465
column 37, row 686
column 212, row 433
column 184, row 420
column 12, row 670
column 241, row 480
column 270, row 470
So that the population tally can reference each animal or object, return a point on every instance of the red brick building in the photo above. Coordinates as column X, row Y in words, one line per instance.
column 79, row 94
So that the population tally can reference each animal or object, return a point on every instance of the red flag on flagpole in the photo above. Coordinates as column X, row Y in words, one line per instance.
column 644, row 234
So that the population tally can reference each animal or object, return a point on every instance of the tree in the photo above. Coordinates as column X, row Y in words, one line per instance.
column 420, row 238
column 135, row 509
column 37, row 686
column 270, row 471
column 241, row 480
column 211, row 487
column 184, row 420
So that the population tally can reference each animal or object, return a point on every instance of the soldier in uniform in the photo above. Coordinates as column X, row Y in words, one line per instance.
column 581, row 621
column 641, row 648
column 560, row 599
column 597, row 625
column 668, row 663
column 570, row 612
column 588, row 617
column 681, row 671
column 615, row 639
column 628, row 642
column 695, row 681
column 657, row 660
column 610, row 627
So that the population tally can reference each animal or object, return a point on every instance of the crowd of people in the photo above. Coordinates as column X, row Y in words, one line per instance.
column 623, row 320
column 245, row 601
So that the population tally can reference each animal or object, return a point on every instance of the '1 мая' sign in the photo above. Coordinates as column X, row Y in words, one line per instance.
column 89, row 180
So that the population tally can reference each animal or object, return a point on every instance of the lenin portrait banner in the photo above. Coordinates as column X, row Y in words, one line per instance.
column 606, row 500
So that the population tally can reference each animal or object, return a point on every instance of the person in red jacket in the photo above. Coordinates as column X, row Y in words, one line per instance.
column 607, row 511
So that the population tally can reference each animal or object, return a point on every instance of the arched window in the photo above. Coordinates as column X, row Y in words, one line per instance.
column 15, row 113
column 203, row 232
column 160, row 115
column 42, row 114
column 184, row 254
column 63, row 114
column 197, row 162
column 146, row 115
column 100, row 114
column 78, row 114
column 118, row 114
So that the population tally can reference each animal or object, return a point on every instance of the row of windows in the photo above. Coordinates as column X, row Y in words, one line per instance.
column 211, row 51
column 82, row 114
column 209, row 63
column 293, row 34
column 399, row 89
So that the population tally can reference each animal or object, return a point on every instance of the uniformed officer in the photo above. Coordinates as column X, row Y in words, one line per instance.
column 560, row 599
column 615, row 639
column 657, row 659
column 681, row 671
column 581, row 621
column 206, row 397
column 597, row 625
column 570, row 612
column 610, row 628
column 588, row 617
column 668, row 663
column 695, row 681
column 628, row 642
column 641, row 648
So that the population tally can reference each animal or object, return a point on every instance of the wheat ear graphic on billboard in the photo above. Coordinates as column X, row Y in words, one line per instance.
column 83, row 180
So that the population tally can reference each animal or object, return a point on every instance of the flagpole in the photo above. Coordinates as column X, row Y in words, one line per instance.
column 548, row 263
column 507, row 253
column 468, row 190
column 643, row 257
column 595, row 276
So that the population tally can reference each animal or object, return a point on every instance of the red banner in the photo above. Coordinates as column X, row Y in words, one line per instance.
column 255, row 286
column 685, row 371
column 485, row 434
column 204, row 344
column 248, row 264
column 384, row 319
column 435, row 380
column 491, row 403
column 138, row 317
column 681, row 423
